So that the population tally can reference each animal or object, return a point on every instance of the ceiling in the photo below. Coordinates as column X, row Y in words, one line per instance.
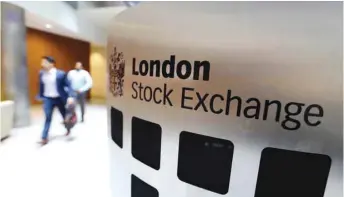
column 101, row 17
column 38, row 22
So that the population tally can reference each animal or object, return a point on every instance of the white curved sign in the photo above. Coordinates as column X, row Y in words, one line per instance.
column 237, row 99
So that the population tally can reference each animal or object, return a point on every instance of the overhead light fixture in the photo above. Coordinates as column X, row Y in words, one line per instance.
column 48, row 26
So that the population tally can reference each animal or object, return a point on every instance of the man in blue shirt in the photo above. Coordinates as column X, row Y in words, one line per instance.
column 81, row 82
column 54, row 90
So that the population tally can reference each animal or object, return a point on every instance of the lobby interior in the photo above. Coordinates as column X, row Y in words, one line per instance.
column 70, row 32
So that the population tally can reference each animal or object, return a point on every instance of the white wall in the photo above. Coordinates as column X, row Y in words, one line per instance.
column 98, row 72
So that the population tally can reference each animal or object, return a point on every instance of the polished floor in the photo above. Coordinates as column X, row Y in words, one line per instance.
column 67, row 167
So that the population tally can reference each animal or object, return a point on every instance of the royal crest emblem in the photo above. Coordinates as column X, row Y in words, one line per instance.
column 116, row 70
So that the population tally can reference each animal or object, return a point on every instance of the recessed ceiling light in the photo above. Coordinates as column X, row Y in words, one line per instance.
column 48, row 26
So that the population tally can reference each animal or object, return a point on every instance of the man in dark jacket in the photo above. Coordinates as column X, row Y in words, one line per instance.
column 54, row 90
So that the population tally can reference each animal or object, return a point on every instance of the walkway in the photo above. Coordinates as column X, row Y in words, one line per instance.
column 66, row 167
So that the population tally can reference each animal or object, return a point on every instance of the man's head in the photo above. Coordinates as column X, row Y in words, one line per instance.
column 48, row 62
column 78, row 66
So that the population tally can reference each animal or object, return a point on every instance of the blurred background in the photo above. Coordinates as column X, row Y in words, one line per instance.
column 70, row 31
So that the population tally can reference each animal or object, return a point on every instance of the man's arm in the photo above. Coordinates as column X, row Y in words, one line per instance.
column 69, row 76
column 67, row 85
column 41, row 87
column 88, row 84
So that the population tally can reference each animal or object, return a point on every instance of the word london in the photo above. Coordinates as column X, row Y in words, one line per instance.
column 295, row 113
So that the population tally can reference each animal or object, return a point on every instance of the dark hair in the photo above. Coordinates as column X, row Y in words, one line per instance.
column 50, row 59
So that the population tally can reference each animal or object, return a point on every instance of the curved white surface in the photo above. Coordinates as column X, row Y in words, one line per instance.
column 6, row 116
column 285, row 51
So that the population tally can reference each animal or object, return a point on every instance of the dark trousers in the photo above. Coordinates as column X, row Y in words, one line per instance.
column 48, row 106
column 81, row 97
